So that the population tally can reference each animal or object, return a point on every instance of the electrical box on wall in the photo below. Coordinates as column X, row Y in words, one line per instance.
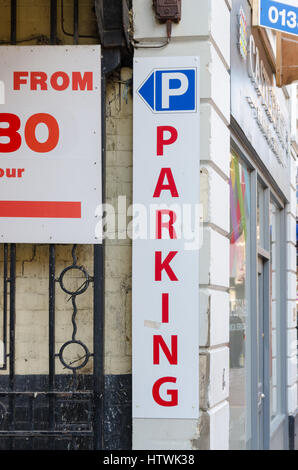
column 167, row 10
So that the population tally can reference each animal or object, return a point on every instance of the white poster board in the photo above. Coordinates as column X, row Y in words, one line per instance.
column 50, row 144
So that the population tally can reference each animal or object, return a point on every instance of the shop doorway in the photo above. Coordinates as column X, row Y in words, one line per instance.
column 260, row 354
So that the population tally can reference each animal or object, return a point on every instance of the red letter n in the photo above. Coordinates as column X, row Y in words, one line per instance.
column 172, row 356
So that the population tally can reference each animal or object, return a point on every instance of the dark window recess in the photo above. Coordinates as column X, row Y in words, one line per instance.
column 113, row 22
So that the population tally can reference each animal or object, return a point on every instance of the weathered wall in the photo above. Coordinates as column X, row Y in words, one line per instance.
column 118, row 251
column 33, row 19
column 32, row 261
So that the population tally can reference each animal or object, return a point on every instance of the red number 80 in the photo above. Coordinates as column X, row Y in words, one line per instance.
column 15, row 140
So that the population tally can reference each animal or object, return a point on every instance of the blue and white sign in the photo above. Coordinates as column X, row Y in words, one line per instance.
column 170, row 90
column 165, row 309
column 280, row 15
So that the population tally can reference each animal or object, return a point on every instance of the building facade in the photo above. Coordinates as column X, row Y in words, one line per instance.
column 248, row 370
column 247, row 336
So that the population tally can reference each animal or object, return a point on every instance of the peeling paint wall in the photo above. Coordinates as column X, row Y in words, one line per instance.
column 32, row 269
column 118, row 252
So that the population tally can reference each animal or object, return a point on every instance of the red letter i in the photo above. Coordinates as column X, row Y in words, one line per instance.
column 165, row 308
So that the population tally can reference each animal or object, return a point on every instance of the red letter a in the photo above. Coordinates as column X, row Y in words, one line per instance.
column 161, row 186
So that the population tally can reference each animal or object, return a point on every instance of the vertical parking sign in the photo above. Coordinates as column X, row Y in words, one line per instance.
column 166, row 238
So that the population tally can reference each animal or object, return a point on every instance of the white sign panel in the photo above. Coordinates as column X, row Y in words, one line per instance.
column 166, row 238
column 50, row 144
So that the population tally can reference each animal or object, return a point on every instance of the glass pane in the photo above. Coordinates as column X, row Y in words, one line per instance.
column 239, row 321
column 260, row 216
column 274, row 312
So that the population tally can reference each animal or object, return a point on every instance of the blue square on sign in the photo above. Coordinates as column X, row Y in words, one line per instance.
column 175, row 90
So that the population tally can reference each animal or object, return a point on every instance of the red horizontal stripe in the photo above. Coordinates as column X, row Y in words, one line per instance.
column 41, row 209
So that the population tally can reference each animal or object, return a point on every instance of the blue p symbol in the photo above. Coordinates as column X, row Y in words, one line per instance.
column 175, row 90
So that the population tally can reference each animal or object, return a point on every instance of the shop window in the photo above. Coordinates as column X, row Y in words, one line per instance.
column 260, row 216
column 239, row 311
column 275, row 329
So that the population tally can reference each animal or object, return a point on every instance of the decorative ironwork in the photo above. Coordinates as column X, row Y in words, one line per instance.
column 54, row 411
column 73, row 295
column 85, row 356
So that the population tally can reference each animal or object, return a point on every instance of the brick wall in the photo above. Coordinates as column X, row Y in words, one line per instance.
column 118, row 251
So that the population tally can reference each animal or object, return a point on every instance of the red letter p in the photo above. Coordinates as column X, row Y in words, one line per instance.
column 161, row 141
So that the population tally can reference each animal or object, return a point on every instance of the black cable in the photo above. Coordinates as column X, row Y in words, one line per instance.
column 148, row 45
column 13, row 21
column 76, row 21
column 53, row 21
